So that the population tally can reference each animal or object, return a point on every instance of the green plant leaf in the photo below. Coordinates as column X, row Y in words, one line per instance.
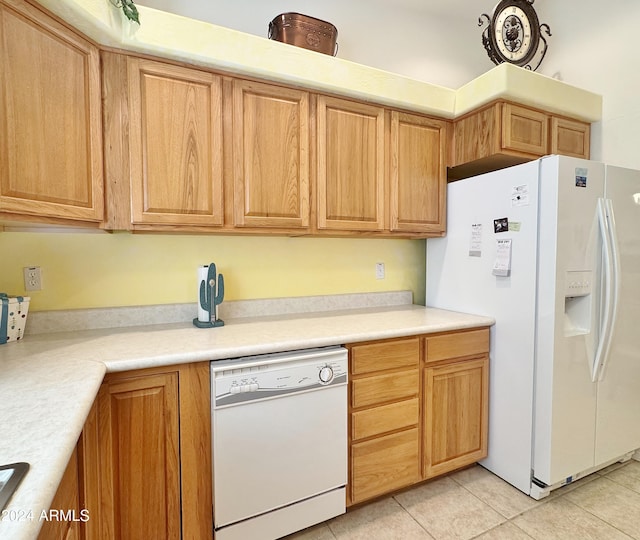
column 130, row 10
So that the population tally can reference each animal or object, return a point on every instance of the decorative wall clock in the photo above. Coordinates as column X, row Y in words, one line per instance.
column 513, row 34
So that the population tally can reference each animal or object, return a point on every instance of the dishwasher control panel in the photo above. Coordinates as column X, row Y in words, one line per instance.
column 272, row 375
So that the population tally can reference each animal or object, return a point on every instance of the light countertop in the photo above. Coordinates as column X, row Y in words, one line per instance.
column 200, row 43
column 44, row 401
column 48, row 382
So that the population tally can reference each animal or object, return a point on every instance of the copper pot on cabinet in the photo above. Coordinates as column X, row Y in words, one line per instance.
column 304, row 31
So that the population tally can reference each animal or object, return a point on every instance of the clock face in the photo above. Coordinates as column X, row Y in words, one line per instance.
column 515, row 32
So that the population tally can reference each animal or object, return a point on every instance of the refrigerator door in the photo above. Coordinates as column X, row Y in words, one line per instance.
column 618, row 428
column 482, row 211
column 568, row 319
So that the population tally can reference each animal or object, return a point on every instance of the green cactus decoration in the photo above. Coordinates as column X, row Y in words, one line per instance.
column 211, row 296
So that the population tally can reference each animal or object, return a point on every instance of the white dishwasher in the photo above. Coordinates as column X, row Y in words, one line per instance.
column 279, row 429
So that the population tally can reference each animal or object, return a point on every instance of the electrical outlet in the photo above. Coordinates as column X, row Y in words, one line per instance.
column 379, row 270
column 32, row 278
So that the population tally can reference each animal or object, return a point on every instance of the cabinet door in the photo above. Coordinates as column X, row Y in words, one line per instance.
column 175, row 144
column 128, row 443
column 270, row 156
column 455, row 415
column 570, row 138
column 50, row 118
column 139, row 453
column 418, row 174
column 66, row 500
column 524, row 130
column 350, row 170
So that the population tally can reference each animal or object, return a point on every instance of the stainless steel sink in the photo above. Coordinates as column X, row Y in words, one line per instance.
column 10, row 477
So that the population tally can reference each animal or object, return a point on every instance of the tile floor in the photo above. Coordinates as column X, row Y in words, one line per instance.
column 474, row 503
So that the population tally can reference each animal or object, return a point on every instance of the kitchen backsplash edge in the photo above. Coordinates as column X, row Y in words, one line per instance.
column 44, row 322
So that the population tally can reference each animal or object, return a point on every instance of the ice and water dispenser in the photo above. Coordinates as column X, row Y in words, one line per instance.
column 578, row 300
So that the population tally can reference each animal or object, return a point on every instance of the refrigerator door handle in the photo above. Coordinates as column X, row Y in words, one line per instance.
column 609, row 253
column 615, row 283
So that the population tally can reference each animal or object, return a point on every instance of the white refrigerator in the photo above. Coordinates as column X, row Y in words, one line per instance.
column 551, row 250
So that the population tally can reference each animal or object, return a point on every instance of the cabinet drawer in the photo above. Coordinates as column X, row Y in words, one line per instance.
column 379, row 420
column 385, row 464
column 384, row 388
column 457, row 345
column 385, row 355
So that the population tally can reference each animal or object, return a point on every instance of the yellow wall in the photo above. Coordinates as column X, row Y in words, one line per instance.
column 83, row 270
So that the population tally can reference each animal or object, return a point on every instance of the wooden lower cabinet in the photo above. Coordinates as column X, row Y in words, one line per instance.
column 64, row 518
column 455, row 418
column 384, row 419
column 147, row 455
column 456, row 400
column 405, row 428
column 384, row 464
column 418, row 408
column 141, row 465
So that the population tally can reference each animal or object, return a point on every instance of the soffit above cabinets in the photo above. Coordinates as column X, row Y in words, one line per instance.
column 170, row 36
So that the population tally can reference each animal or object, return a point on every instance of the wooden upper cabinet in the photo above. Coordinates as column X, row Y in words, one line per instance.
column 524, row 130
column 350, row 168
column 418, row 175
column 570, row 138
column 501, row 129
column 50, row 118
column 270, row 156
column 175, row 144
column 476, row 136
column 504, row 134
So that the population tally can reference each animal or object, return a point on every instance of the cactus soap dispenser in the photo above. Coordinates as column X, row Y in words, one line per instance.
column 210, row 296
